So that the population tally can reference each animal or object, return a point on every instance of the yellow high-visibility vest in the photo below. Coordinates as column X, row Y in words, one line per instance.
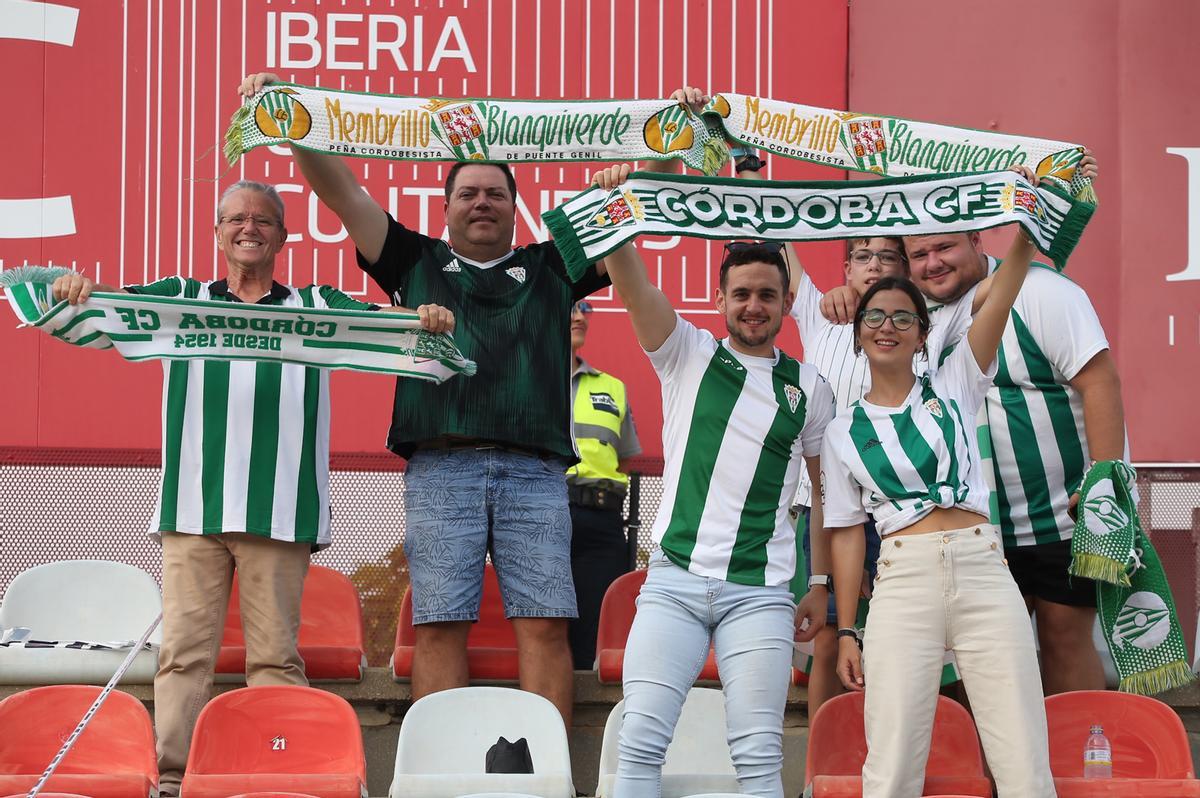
column 598, row 410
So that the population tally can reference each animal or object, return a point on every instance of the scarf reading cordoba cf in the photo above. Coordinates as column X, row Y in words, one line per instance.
column 523, row 131
column 143, row 327
column 595, row 222
column 1133, row 598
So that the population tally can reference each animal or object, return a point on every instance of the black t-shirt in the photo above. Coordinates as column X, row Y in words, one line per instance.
column 512, row 318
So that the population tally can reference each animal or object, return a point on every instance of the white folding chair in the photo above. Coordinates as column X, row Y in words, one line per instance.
column 445, row 736
column 698, row 758
column 95, row 601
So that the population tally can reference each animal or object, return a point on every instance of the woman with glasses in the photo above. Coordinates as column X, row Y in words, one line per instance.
column 906, row 453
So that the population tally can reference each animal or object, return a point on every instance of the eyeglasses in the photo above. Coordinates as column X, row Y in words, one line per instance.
column 901, row 319
column 862, row 257
column 259, row 221
column 581, row 307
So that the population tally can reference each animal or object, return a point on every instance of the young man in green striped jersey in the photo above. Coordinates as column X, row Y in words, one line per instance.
column 739, row 417
column 245, row 478
column 487, row 457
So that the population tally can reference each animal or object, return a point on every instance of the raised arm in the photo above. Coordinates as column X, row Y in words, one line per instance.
column 988, row 326
column 649, row 309
column 336, row 185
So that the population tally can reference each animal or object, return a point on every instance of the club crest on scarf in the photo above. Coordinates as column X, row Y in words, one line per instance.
column 459, row 127
column 620, row 207
column 1144, row 621
column 1100, row 511
column 866, row 140
column 281, row 115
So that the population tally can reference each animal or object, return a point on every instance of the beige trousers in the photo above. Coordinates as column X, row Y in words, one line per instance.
column 951, row 590
column 197, row 576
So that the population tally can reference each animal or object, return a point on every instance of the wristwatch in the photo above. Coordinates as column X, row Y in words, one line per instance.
column 751, row 163
column 818, row 579
column 848, row 632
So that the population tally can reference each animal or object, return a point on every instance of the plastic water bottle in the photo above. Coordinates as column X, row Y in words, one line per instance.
column 1097, row 755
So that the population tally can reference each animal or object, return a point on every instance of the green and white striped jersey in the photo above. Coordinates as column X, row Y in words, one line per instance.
column 899, row 463
column 735, row 428
column 245, row 444
column 1034, row 418
column 830, row 347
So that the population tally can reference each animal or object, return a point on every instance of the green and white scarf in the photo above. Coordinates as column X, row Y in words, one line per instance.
column 525, row 131
column 1137, row 611
column 595, row 222
column 167, row 328
column 507, row 131
column 885, row 145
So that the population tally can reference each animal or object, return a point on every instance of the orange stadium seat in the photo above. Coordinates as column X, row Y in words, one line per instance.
column 491, row 644
column 113, row 757
column 837, row 748
column 616, row 619
column 1151, row 755
column 276, row 738
column 331, row 630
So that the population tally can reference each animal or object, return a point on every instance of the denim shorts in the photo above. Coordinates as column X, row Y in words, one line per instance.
column 869, row 563
column 463, row 504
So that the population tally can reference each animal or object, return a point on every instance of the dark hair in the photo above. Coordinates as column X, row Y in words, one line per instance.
column 892, row 284
column 739, row 253
column 503, row 167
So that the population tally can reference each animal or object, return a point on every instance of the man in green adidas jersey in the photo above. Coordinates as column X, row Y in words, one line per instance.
column 739, row 419
column 487, row 456
column 245, row 478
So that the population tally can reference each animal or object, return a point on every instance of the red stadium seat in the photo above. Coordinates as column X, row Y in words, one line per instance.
column 491, row 644
column 276, row 738
column 331, row 629
column 113, row 757
column 837, row 748
column 616, row 619
column 1151, row 755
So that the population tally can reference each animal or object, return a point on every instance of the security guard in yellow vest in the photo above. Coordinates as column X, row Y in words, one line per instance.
column 606, row 436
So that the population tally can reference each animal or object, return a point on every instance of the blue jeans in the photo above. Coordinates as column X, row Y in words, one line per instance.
column 461, row 503
column 751, row 628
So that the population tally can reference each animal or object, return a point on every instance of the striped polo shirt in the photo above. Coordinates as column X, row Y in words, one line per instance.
column 245, row 444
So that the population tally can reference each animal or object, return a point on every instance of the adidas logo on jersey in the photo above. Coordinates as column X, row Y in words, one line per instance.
column 517, row 273
column 793, row 395
column 871, row 444
column 452, row 266
column 934, row 407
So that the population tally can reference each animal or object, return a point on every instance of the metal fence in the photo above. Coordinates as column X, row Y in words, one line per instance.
column 58, row 504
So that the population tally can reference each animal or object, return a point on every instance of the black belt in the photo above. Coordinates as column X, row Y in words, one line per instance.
column 601, row 497
column 479, row 445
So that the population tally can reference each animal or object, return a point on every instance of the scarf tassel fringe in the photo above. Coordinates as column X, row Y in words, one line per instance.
column 1160, row 679
column 1099, row 568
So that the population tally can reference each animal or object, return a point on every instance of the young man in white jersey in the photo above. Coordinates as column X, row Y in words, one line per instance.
column 254, row 497
column 739, row 417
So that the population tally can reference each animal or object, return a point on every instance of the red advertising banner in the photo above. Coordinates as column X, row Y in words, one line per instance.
column 111, row 156
column 116, row 166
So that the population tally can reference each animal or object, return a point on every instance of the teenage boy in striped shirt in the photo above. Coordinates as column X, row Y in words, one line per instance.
column 245, row 478
column 739, row 417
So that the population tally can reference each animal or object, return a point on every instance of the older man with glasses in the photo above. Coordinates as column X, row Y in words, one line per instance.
column 607, row 438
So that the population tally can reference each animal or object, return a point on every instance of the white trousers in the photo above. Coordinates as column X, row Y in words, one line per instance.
column 951, row 590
